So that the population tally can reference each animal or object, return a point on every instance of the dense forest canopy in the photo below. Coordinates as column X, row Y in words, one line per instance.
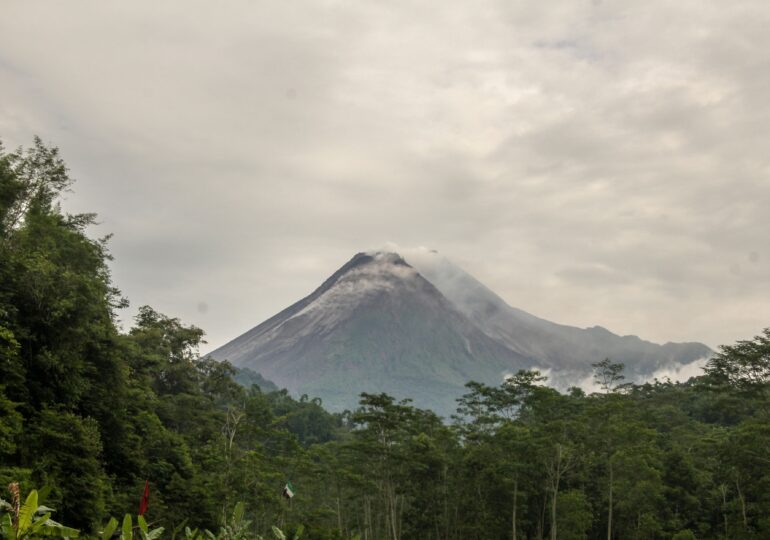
column 88, row 413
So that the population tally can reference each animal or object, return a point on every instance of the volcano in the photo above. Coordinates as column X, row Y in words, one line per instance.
column 421, row 331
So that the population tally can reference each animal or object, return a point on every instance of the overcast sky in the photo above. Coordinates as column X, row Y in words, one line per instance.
column 595, row 162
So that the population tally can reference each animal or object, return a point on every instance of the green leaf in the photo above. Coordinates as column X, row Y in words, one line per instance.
column 238, row 513
column 7, row 527
column 155, row 533
column 178, row 528
column 298, row 532
column 39, row 524
column 142, row 524
column 126, row 533
column 109, row 529
column 278, row 533
column 52, row 528
column 43, row 493
column 26, row 513
column 69, row 532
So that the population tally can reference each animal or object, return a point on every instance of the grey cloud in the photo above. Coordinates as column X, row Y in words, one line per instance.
column 593, row 162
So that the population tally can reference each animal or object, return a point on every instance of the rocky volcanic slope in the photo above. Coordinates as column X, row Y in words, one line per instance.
column 566, row 351
column 422, row 331
column 376, row 325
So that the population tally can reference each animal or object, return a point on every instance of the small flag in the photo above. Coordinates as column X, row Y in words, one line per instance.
column 288, row 490
column 144, row 503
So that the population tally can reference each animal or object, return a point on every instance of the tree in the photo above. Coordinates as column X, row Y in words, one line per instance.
column 744, row 366
column 383, row 425
column 608, row 375
column 29, row 181
column 575, row 517
column 65, row 453
column 484, row 408
column 608, row 428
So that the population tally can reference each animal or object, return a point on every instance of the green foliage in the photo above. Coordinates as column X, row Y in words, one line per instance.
column 11, row 422
column 237, row 527
column 92, row 412
column 575, row 516
column 68, row 449
column 248, row 378
column 745, row 365
column 145, row 533
column 280, row 535
column 109, row 529
column 127, row 531
column 33, row 520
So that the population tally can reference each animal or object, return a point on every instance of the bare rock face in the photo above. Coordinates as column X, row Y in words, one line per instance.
column 380, row 325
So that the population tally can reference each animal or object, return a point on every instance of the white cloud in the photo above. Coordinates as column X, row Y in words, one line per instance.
column 681, row 373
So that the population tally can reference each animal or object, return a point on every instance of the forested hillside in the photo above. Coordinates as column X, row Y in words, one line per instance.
column 90, row 413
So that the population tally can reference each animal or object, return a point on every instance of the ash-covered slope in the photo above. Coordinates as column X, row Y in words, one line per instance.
column 568, row 351
column 376, row 325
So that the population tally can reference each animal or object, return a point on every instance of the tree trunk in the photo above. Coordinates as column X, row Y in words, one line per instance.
column 541, row 523
column 399, row 515
column 553, row 516
column 393, row 507
column 339, row 516
column 609, row 509
column 446, row 504
column 723, row 489
column 743, row 504
column 556, row 477
column 515, row 494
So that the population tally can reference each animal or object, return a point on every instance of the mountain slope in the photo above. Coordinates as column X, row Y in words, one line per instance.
column 376, row 325
column 566, row 351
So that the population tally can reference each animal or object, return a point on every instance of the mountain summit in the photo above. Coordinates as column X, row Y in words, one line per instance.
column 422, row 330
column 376, row 325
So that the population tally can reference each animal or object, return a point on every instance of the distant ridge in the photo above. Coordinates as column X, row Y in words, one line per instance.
column 422, row 330
column 567, row 351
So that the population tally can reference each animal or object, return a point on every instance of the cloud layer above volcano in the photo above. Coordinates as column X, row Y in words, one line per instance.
column 593, row 162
